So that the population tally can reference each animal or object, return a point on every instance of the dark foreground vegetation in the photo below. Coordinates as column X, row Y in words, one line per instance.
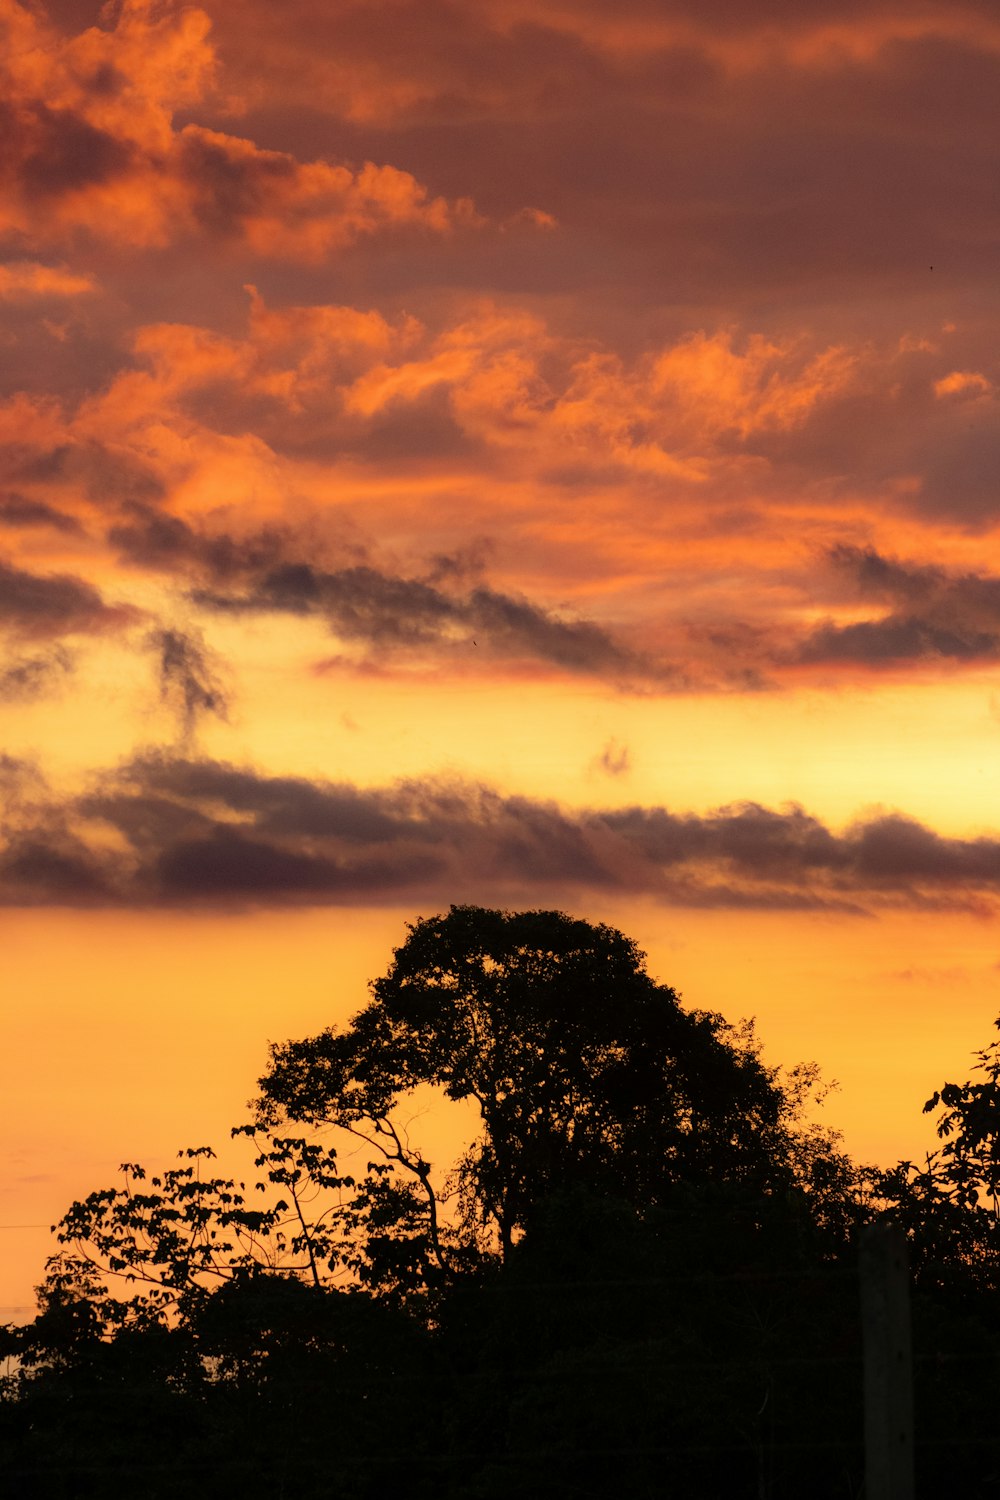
column 638, row 1280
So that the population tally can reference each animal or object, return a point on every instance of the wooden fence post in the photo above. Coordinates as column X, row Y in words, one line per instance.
column 885, row 1322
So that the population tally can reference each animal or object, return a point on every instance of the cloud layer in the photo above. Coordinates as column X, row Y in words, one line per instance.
column 38, row 605
column 173, row 831
column 358, row 349
column 90, row 120
column 930, row 614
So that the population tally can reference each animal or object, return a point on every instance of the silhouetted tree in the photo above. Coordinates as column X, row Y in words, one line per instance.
column 949, row 1206
column 951, row 1203
column 584, row 1071
column 628, row 1284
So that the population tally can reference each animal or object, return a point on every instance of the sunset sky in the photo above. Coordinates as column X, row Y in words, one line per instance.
column 535, row 454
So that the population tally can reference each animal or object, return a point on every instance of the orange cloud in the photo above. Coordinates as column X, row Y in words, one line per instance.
column 767, row 385
column 962, row 383
column 506, row 381
column 28, row 281
column 500, row 393
column 92, row 145
column 700, row 470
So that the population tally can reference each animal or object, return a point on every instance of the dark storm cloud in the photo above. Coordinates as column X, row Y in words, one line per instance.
column 933, row 613
column 745, row 838
column 50, row 872
column 896, row 851
column 363, row 604
column 231, row 866
column 884, row 578
column 883, row 852
column 20, row 511
column 360, row 603
column 513, row 625
column 153, row 539
column 923, row 586
column 896, row 639
column 191, row 832
column 279, row 806
column 54, row 604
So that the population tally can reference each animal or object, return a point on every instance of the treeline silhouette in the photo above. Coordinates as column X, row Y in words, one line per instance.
column 640, row 1279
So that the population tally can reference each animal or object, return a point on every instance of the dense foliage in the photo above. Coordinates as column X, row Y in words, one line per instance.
column 637, row 1278
column 583, row 1071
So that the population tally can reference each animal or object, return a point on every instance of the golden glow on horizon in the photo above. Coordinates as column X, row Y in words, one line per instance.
column 156, row 1026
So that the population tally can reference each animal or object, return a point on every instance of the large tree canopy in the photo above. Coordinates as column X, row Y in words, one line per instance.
column 584, row 1070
